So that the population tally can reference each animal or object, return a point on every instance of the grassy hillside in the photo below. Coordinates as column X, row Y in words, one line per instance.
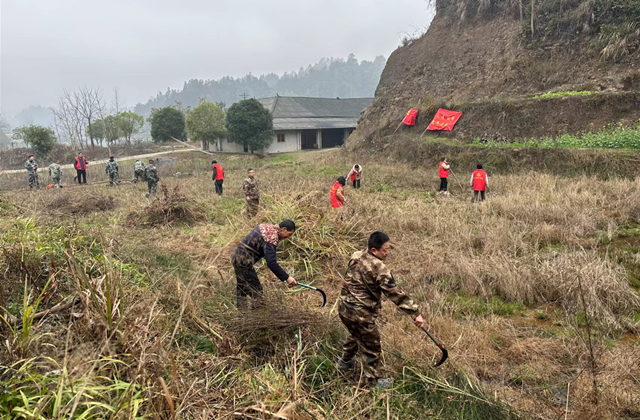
column 534, row 293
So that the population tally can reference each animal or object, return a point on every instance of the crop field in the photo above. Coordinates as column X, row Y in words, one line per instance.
column 535, row 294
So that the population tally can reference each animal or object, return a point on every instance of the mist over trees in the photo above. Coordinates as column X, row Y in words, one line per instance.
column 329, row 78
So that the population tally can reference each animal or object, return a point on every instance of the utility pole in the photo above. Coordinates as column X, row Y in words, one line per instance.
column 244, row 96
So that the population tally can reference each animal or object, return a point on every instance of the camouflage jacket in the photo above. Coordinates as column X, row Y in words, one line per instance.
column 31, row 166
column 151, row 174
column 138, row 166
column 251, row 188
column 367, row 280
column 55, row 171
column 112, row 166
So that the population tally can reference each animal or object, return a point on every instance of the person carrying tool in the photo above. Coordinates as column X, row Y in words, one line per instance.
column 55, row 172
column 366, row 281
column 32, row 170
column 251, row 190
column 444, row 176
column 81, row 168
column 337, row 193
column 355, row 175
column 138, row 171
column 112, row 171
column 218, row 176
column 479, row 183
column 260, row 243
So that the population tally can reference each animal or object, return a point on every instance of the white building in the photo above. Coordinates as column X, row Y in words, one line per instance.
column 305, row 123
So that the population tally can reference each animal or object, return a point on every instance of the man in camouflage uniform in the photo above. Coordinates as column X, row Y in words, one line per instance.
column 32, row 169
column 260, row 243
column 138, row 171
column 112, row 171
column 252, row 194
column 55, row 172
column 367, row 280
column 151, row 175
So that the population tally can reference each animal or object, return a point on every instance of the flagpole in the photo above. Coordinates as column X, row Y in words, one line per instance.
column 399, row 125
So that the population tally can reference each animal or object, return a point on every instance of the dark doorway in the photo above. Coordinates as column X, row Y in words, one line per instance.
column 309, row 139
column 332, row 138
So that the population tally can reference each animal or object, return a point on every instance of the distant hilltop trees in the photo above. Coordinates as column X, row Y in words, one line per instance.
column 329, row 78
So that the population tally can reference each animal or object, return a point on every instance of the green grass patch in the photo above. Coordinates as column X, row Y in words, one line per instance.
column 617, row 137
column 563, row 94
column 473, row 305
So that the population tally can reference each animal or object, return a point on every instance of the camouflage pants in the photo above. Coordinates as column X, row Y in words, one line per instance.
column 138, row 175
column 248, row 284
column 113, row 178
column 57, row 181
column 152, row 187
column 253, row 206
column 365, row 337
column 34, row 181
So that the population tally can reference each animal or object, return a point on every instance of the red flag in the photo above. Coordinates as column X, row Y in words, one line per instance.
column 444, row 120
column 410, row 119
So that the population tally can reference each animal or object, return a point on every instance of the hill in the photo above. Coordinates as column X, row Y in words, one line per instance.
column 482, row 57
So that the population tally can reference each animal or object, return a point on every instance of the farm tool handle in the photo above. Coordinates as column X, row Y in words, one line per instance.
column 324, row 296
column 445, row 353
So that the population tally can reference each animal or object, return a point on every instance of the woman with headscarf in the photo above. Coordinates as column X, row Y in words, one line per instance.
column 337, row 193
column 355, row 175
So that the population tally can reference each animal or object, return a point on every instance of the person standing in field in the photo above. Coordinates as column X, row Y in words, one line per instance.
column 479, row 183
column 81, row 168
column 152, row 178
column 218, row 176
column 337, row 193
column 355, row 175
column 251, row 190
column 138, row 171
column 260, row 243
column 367, row 280
column 32, row 170
column 444, row 176
column 55, row 172
column 112, row 171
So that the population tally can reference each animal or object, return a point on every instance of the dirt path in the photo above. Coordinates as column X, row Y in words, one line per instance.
column 100, row 161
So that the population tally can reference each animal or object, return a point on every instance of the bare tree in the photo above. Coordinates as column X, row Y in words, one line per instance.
column 116, row 102
column 69, row 118
column 87, row 103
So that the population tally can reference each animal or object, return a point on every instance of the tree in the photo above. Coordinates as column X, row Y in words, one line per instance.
column 250, row 124
column 128, row 124
column 206, row 122
column 112, row 131
column 166, row 123
column 96, row 130
column 40, row 139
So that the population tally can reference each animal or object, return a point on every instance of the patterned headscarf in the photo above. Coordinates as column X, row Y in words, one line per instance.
column 270, row 233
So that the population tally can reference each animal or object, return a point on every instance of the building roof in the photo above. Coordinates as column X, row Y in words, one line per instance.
column 297, row 113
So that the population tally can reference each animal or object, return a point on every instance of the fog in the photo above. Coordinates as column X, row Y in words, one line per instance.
column 145, row 46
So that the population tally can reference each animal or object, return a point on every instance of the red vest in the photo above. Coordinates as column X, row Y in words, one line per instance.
column 81, row 164
column 444, row 173
column 479, row 180
column 219, row 172
column 336, row 202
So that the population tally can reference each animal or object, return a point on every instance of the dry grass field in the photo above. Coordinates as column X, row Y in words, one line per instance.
column 535, row 293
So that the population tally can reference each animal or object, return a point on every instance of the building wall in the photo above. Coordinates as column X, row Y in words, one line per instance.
column 222, row 145
column 291, row 143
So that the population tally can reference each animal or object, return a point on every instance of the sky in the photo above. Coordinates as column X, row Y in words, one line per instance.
column 142, row 47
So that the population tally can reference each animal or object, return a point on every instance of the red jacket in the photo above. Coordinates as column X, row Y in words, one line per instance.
column 479, row 180
column 81, row 163
column 444, row 173
column 218, row 172
column 337, row 201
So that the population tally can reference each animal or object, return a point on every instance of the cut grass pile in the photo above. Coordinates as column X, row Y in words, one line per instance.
column 156, row 333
